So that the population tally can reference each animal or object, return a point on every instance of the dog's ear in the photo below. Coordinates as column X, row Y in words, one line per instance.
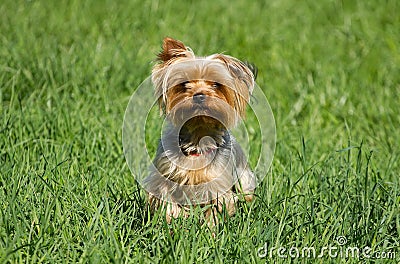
column 253, row 68
column 243, row 80
column 173, row 48
column 242, row 71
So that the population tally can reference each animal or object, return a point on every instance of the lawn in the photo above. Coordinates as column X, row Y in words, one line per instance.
column 330, row 70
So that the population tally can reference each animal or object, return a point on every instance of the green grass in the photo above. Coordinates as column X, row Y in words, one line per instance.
column 330, row 70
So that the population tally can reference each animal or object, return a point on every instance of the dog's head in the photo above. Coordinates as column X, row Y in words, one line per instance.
column 202, row 91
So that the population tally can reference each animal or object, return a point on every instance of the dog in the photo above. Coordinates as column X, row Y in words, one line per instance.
column 198, row 161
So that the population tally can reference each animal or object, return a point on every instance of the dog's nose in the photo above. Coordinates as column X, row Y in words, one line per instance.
column 199, row 98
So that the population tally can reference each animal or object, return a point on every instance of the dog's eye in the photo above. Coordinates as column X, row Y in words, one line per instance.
column 216, row 85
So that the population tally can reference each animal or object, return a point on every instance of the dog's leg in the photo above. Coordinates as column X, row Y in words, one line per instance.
column 246, row 180
column 226, row 202
column 172, row 210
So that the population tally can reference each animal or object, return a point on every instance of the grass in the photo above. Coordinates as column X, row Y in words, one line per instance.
column 330, row 70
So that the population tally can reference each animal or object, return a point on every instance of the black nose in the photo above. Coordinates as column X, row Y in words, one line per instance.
column 199, row 98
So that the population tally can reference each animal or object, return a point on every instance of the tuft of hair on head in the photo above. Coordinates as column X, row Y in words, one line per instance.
column 173, row 48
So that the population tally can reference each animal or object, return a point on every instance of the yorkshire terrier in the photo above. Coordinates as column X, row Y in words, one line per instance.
column 198, row 161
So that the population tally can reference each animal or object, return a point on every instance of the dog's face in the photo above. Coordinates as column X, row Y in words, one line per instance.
column 201, row 103
column 201, row 91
